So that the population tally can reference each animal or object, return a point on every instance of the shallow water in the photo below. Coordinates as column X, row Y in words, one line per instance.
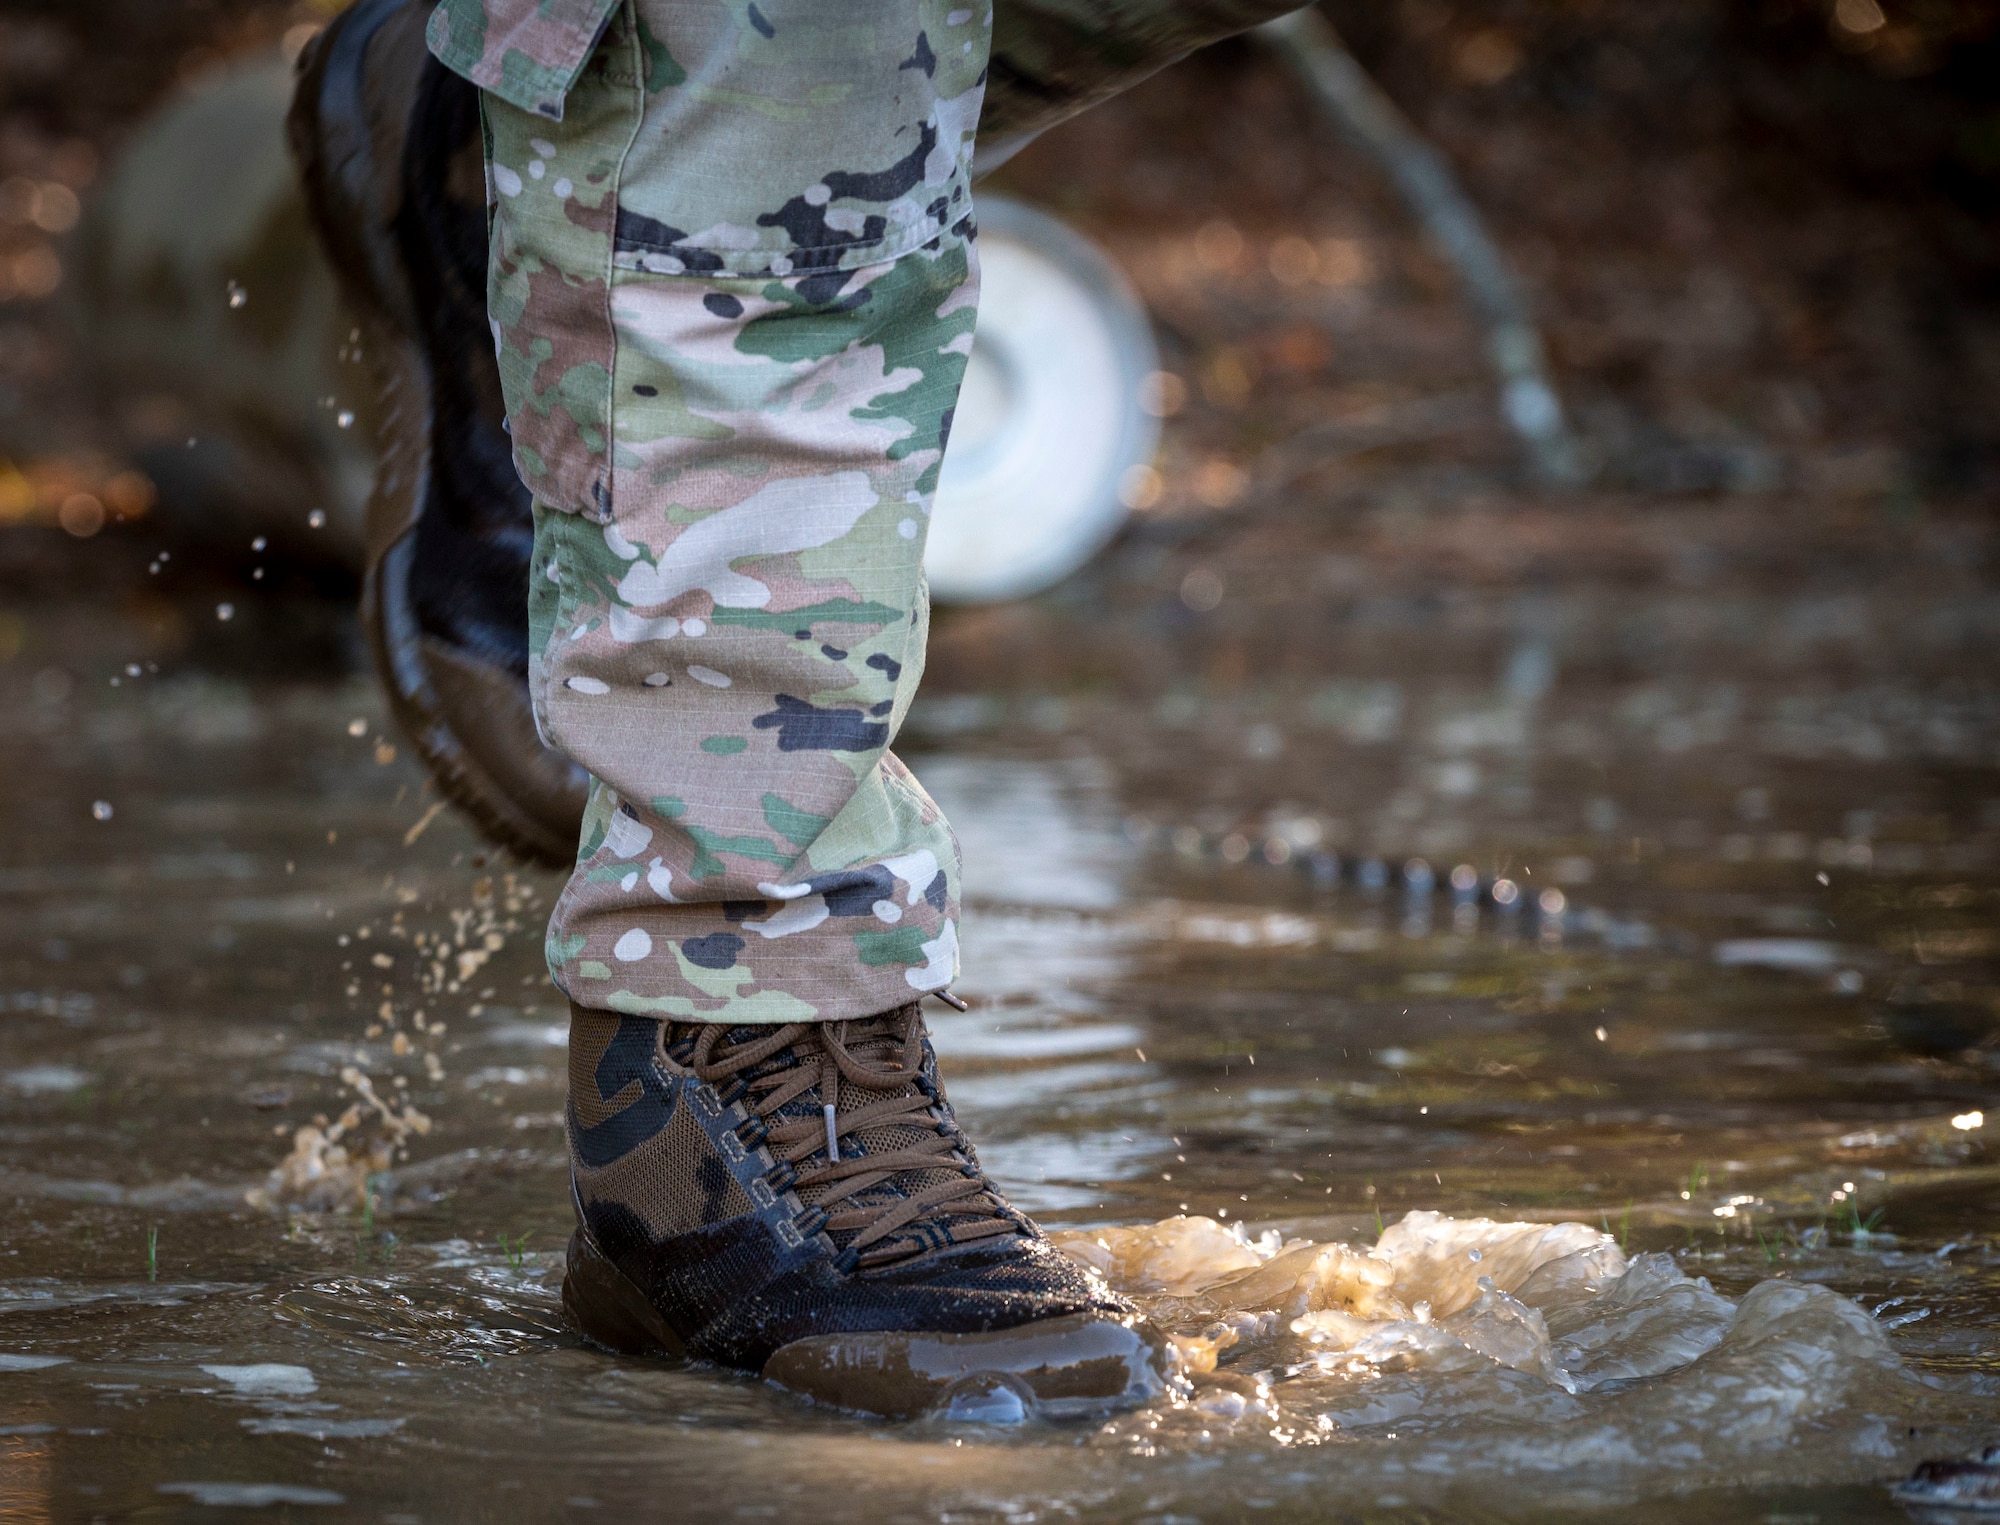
column 1734, row 1038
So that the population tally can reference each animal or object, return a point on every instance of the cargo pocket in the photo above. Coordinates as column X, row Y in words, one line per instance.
column 527, row 52
column 553, row 189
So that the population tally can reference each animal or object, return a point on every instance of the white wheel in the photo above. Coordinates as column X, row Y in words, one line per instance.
column 1049, row 422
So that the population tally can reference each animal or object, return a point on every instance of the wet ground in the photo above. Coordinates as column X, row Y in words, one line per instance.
column 1506, row 912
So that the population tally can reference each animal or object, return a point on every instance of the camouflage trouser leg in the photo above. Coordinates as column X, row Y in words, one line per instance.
column 733, row 290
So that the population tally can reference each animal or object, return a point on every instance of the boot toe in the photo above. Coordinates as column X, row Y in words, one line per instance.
column 1075, row 1363
column 958, row 1333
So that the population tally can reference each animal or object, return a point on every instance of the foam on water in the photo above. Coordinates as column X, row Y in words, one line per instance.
column 1485, row 1347
column 266, row 1378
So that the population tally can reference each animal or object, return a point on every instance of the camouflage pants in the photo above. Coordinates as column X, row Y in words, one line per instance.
column 732, row 290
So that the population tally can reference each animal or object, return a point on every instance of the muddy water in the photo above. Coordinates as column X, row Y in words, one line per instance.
column 1714, row 1016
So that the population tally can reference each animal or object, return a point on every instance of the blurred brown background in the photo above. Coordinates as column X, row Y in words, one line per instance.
column 1759, row 237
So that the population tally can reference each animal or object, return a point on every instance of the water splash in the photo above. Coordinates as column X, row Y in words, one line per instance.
column 329, row 1169
column 1485, row 1347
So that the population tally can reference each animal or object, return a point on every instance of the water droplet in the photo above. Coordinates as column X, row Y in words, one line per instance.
column 101, row 810
column 225, row 612
column 316, row 519
column 344, row 418
column 357, row 727
column 1475, row 1254
column 259, row 543
column 237, row 295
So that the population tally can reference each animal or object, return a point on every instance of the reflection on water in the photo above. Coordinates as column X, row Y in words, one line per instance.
column 1698, row 1080
column 1033, row 833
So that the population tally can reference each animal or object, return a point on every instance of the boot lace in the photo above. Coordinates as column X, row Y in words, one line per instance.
column 859, row 1132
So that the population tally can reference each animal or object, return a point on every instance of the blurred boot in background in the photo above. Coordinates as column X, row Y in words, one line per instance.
column 388, row 146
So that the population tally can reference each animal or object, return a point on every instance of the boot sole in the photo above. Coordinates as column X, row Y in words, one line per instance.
column 1079, row 1363
column 543, row 829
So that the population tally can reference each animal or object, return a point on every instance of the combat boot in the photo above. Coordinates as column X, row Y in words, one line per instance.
column 387, row 142
column 800, row 1201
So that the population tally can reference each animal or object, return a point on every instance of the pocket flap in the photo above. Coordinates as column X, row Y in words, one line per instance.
column 527, row 52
